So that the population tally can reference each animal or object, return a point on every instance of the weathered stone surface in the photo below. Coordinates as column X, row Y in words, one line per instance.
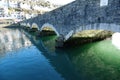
column 80, row 15
column 59, row 42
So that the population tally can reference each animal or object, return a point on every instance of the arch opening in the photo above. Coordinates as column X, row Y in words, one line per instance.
column 35, row 26
column 48, row 30
column 23, row 24
column 28, row 25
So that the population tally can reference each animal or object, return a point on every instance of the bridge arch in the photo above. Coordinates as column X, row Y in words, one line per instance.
column 96, row 26
column 47, row 25
column 28, row 25
column 23, row 24
column 34, row 25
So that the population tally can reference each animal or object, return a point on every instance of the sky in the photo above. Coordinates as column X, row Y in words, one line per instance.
column 63, row 2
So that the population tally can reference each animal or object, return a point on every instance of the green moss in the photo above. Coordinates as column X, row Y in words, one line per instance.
column 87, row 37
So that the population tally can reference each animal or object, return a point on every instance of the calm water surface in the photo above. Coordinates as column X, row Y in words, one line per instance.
column 25, row 57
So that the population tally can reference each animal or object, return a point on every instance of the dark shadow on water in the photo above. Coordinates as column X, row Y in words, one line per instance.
column 58, row 58
column 93, row 61
column 97, row 61
column 1, row 77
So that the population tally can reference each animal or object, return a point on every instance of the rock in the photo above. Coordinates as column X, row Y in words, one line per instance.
column 59, row 42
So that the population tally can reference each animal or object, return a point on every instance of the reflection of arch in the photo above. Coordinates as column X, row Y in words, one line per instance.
column 28, row 25
column 50, row 26
column 34, row 25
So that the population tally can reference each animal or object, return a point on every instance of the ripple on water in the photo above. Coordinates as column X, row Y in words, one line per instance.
column 97, row 61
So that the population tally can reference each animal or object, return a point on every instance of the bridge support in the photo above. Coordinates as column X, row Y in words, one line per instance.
column 59, row 42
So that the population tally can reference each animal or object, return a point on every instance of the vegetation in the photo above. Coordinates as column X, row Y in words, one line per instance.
column 87, row 37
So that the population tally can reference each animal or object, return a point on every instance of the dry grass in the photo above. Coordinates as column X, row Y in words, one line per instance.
column 92, row 33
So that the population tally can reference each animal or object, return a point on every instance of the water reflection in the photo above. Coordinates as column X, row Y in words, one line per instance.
column 97, row 61
column 49, row 43
column 58, row 58
column 36, row 58
column 26, row 62
column 94, row 61
column 12, row 40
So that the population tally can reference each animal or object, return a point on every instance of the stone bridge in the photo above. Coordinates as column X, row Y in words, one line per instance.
column 79, row 15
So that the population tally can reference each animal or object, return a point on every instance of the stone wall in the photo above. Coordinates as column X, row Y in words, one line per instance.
column 70, row 18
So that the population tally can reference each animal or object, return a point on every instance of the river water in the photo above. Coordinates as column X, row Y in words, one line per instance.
column 26, row 57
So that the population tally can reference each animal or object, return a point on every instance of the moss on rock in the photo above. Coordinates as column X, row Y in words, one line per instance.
column 87, row 36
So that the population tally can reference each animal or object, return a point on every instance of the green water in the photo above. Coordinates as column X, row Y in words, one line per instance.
column 95, row 61
column 23, row 56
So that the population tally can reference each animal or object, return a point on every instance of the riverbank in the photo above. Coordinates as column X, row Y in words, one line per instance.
column 88, row 36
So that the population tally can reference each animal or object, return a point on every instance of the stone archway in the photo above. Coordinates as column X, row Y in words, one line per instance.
column 35, row 26
column 28, row 25
column 49, row 27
